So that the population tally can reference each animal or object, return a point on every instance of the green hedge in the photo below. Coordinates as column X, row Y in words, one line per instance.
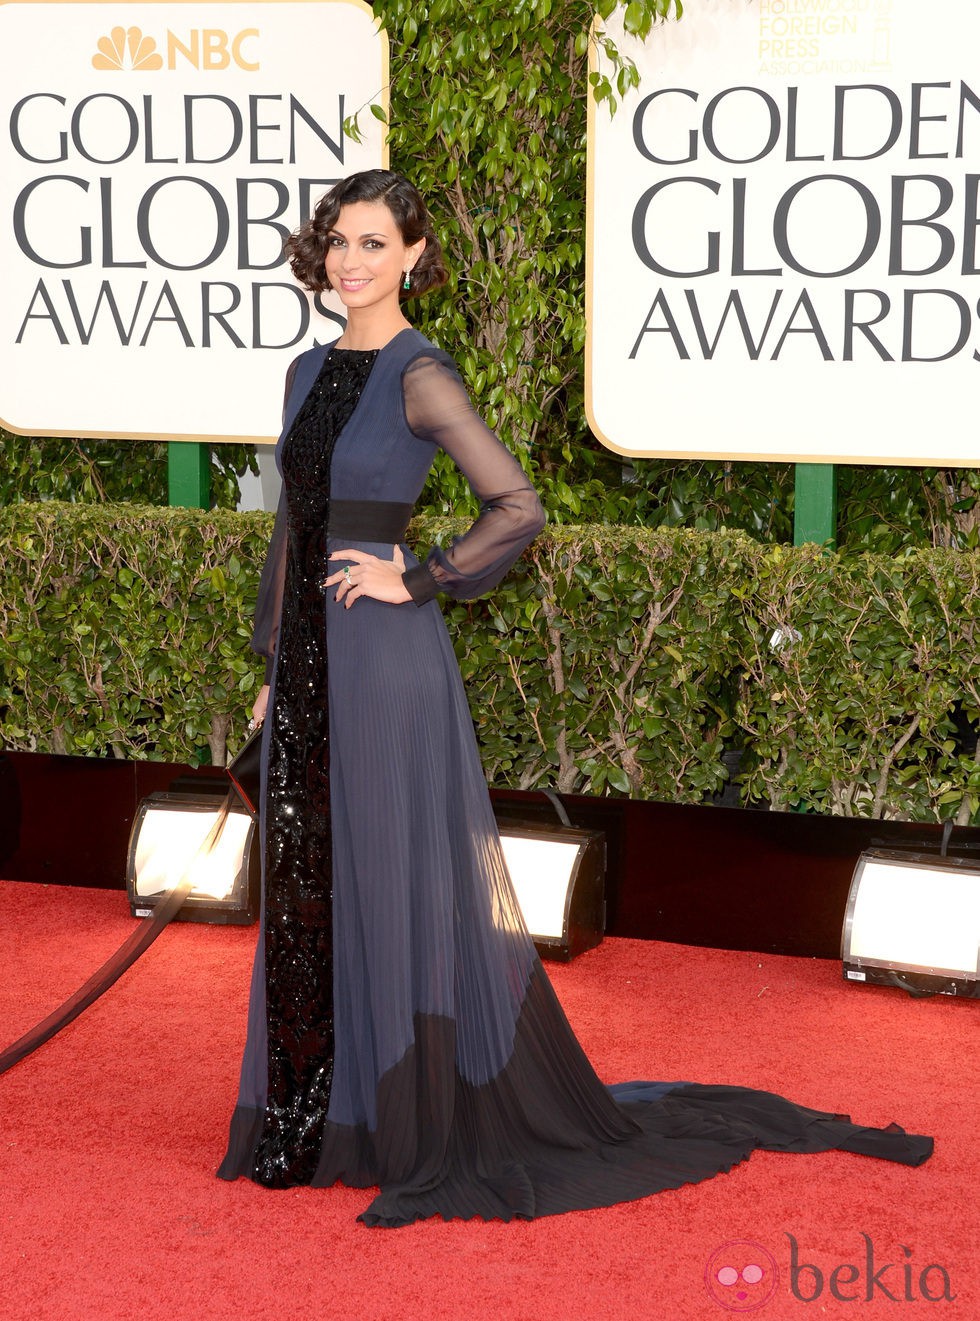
column 617, row 660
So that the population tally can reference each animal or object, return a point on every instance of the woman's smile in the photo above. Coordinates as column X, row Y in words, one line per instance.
column 366, row 258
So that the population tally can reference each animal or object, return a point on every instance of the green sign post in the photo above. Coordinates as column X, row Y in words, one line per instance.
column 189, row 475
column 815, row 510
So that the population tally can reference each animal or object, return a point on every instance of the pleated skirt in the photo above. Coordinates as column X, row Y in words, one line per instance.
column 459, row 1088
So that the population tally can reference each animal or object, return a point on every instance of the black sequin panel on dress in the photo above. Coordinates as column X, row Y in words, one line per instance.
column 298, row 894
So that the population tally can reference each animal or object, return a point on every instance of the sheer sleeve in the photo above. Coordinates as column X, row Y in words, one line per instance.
column 438, row 410
column 268, row 608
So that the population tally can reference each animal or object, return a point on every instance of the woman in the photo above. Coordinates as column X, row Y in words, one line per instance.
column 402, row 1033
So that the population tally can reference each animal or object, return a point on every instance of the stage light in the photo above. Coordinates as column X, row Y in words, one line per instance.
column 913, row 921
column 559, row 876
column 170, row 838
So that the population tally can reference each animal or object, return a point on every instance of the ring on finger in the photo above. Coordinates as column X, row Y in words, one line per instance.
column 347, row 575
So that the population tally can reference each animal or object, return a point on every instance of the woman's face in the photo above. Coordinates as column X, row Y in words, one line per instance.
column 366, row 257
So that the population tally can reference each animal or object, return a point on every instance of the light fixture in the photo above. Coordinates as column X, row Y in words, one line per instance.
column 170, row 837
column 913, row 921
column 559, row 876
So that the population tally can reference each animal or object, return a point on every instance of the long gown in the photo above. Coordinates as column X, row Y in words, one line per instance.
column 402, row 1033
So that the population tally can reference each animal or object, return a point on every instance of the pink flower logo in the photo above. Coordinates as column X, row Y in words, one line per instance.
column 127, row 48
column 741, row 1276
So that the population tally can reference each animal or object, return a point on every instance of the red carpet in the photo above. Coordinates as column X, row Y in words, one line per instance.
column 111, row 1133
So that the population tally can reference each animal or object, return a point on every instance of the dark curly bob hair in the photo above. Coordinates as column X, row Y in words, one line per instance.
column 307, row 247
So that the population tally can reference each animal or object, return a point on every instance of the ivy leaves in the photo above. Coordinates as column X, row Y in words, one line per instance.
column 488, row 117
column 97, row 471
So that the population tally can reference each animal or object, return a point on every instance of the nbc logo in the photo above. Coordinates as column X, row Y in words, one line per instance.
column 127, row 48
column 203, row 48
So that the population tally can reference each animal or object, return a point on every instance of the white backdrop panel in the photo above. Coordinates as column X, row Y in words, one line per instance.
column 783, row 236
column 154, row 155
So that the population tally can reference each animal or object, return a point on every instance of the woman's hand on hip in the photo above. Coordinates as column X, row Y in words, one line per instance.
column 366, row 575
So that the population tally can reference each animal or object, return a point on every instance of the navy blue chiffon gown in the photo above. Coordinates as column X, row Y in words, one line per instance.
column 402, row 1034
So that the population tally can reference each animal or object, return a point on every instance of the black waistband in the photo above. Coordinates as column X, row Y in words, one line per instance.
column 368, row 520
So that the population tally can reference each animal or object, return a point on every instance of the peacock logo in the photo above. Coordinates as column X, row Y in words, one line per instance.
column 127, row 48
column 207, row 49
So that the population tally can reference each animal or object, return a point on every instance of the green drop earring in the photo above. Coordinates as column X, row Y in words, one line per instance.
column 408, row 280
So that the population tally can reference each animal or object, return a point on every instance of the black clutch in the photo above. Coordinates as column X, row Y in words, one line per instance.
column 244, row 771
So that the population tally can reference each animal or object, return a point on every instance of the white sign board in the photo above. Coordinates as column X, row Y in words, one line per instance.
column 783, row 246
column 153, row 157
